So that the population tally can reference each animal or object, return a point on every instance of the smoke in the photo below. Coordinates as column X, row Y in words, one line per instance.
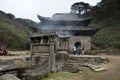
column 64, row 33
column 59, row 30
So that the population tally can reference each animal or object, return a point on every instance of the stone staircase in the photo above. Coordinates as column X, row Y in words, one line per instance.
column 74, row 63
column 81, row 59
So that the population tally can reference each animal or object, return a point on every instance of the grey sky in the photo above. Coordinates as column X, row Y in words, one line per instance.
column 30, row 8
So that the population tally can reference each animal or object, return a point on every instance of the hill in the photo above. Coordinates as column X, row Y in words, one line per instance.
column 107, row 16
column 14, row 31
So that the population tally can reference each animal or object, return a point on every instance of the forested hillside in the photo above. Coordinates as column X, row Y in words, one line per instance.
column 14, row 31
column 107, row 15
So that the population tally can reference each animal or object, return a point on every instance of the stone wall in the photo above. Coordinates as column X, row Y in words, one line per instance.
column 86, row 59
column 85, row 41
column 43, row 53
column 74, row 63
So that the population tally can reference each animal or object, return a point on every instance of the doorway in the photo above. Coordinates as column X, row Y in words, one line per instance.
column 77, row 44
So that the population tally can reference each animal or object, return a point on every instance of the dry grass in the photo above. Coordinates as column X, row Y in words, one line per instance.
column 18, row 53
column 15, row 55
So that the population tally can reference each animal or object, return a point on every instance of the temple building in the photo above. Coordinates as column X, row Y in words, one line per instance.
column 51, row 48
column 70, row 29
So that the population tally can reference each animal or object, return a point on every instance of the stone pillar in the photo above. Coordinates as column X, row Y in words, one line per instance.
column 52, row 58
column 68, row 46
column 31, row 54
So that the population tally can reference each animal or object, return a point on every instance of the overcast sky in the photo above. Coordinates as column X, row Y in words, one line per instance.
column 30, row 8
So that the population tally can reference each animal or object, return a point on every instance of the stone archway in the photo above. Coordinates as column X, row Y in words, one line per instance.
column 76, row 44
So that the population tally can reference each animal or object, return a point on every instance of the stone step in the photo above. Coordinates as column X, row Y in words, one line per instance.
column 96, row 68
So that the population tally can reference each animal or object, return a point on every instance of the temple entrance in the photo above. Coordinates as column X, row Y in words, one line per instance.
column 77, row 47
column 77, row 44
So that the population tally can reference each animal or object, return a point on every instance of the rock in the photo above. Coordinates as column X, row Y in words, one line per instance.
column 20, row 63
column 75, row 69
column 95, row 68
column 105, row 60
column 9, row 77
column 71, row 67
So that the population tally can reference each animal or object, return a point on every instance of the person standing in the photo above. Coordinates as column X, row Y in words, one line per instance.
column 74, row 49
column 78, row 50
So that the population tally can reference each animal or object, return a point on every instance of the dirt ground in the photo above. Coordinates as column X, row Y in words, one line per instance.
column 112, row 73
column 15, row 55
